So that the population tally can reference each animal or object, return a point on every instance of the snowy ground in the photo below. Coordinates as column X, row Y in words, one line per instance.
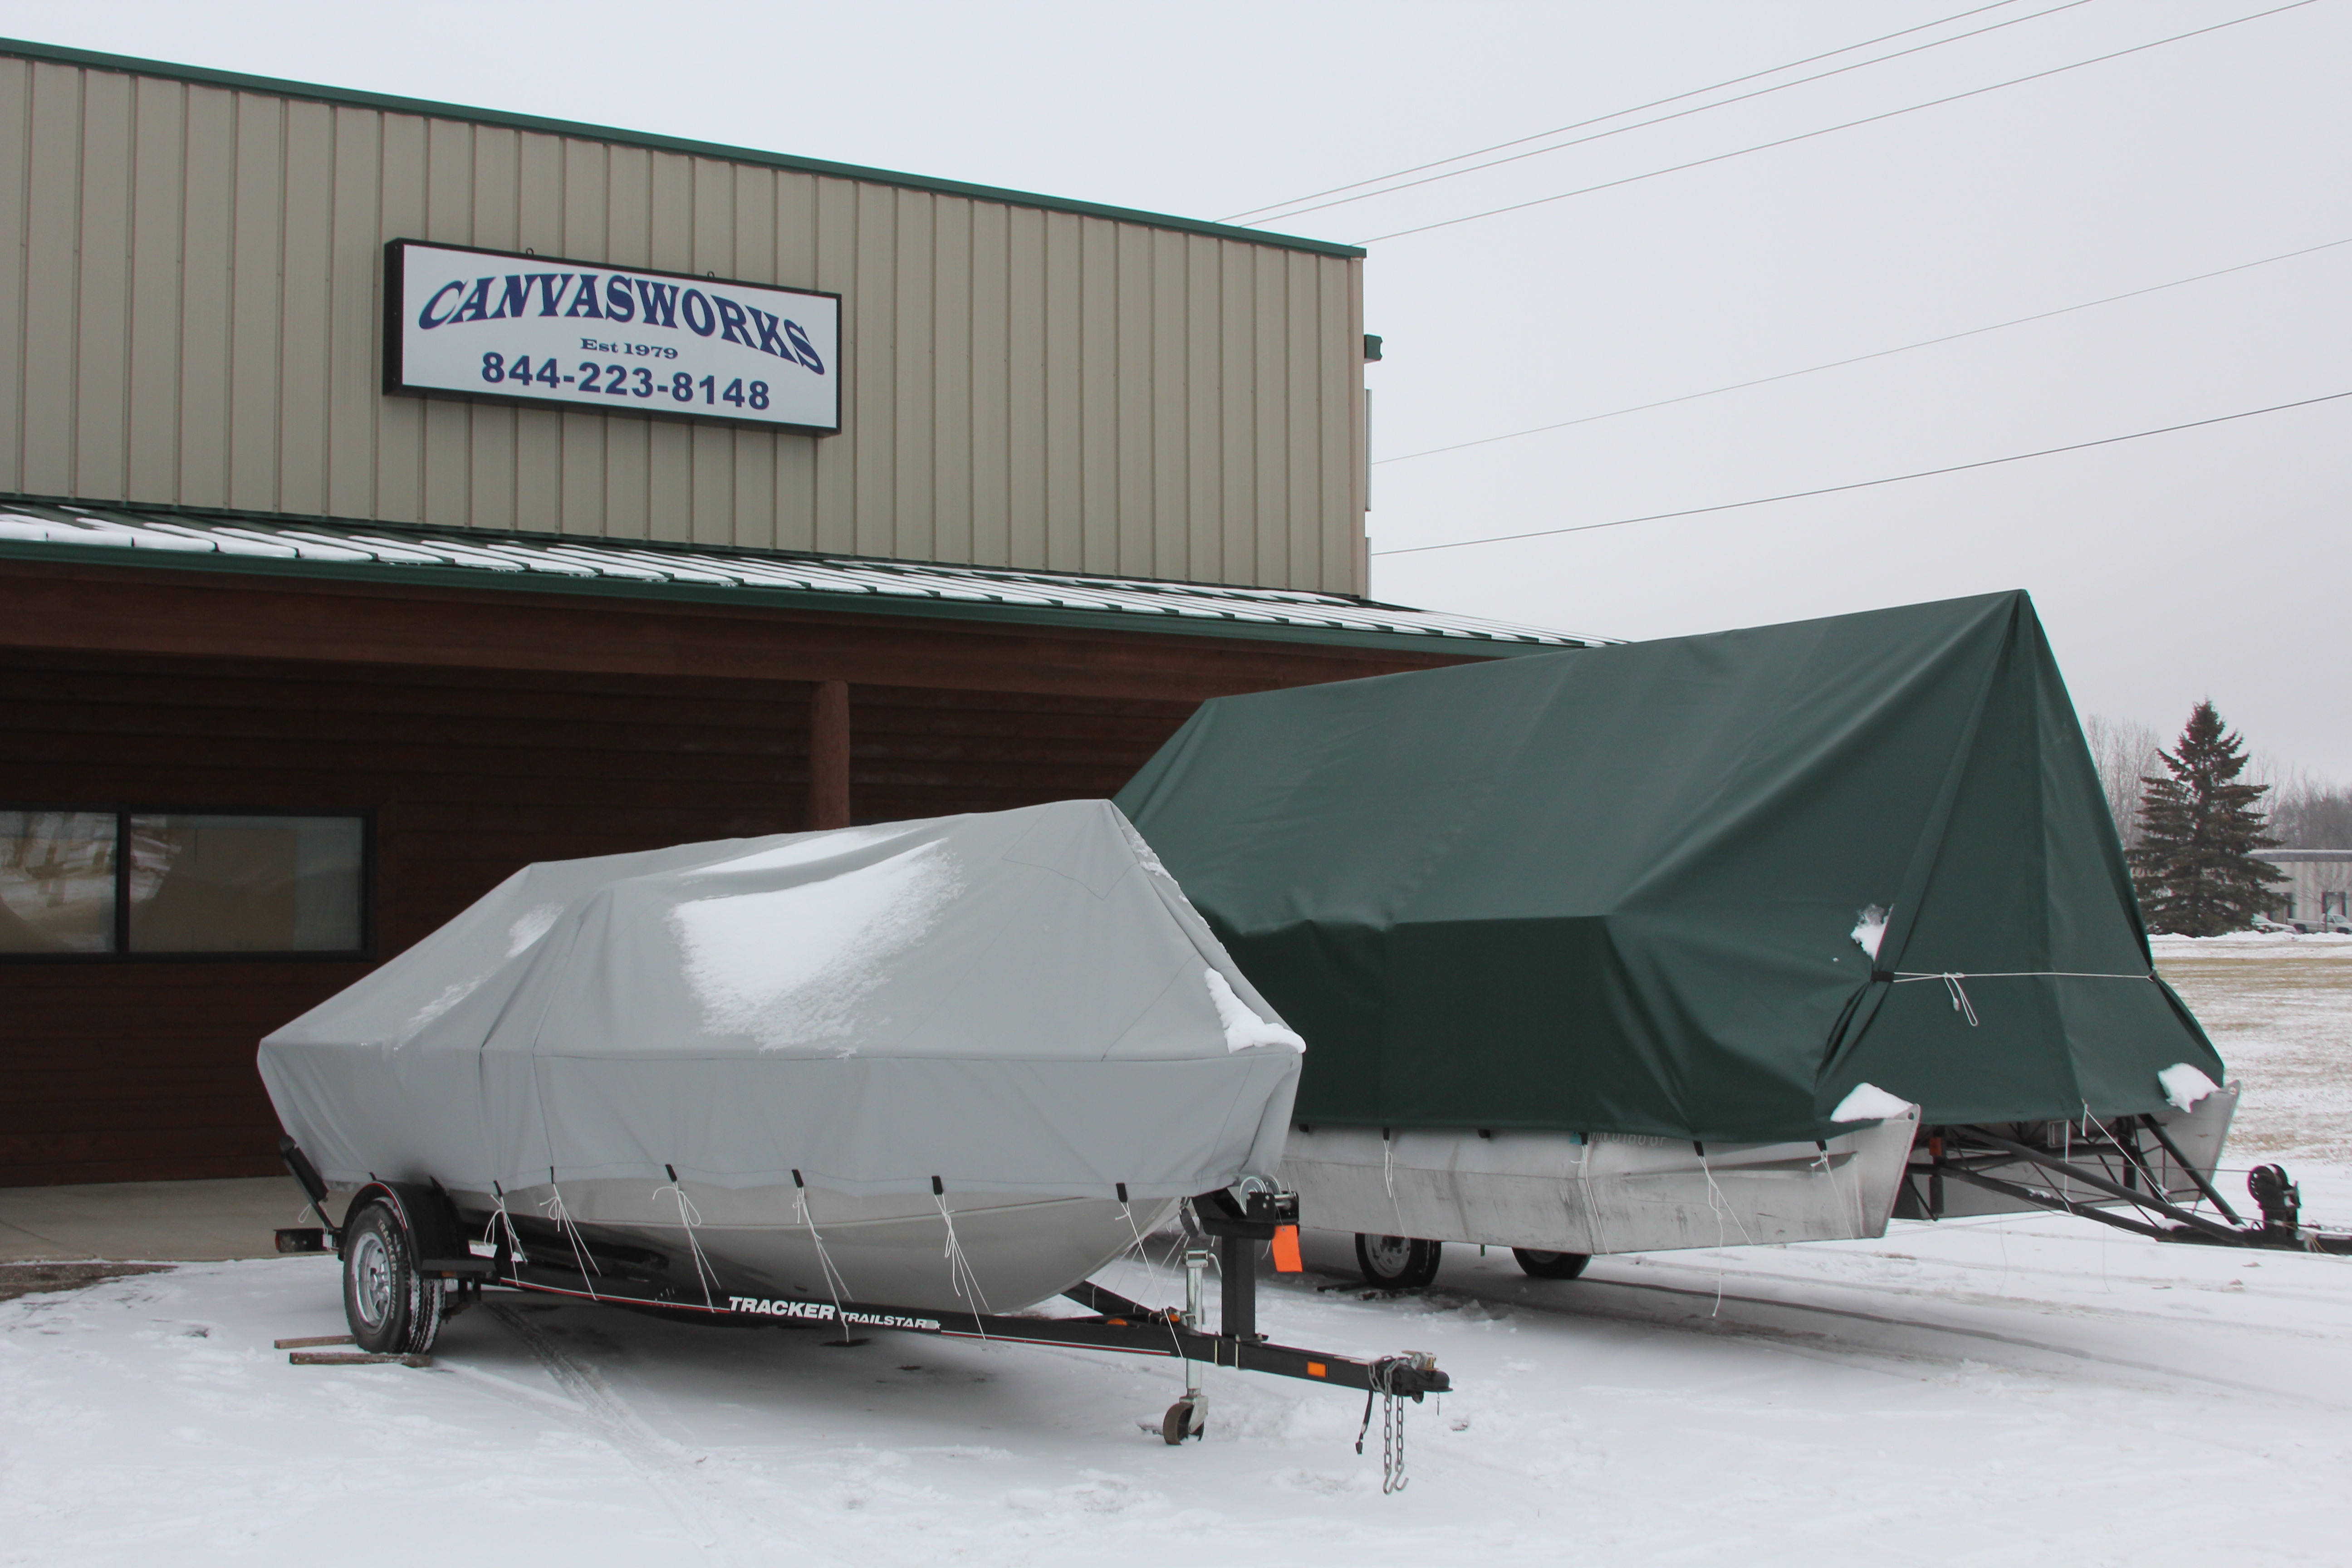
column 2022, row 1391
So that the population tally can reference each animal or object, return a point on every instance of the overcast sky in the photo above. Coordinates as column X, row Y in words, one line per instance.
column 2210, row 563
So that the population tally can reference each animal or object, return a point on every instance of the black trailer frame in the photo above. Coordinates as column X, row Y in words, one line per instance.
column 2107, row 1162
column 533, row 1255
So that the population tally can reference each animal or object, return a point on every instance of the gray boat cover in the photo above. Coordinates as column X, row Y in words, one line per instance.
column 1016, row 1002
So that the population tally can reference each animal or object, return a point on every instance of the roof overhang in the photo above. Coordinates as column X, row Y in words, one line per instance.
column 499, row 561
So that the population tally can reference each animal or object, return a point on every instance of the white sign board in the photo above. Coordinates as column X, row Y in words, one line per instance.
column 489, row 325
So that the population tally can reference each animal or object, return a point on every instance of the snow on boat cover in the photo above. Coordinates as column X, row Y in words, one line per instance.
column 1011, row 1015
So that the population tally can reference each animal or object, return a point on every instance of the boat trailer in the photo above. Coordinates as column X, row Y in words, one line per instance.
column 409, row 1263
column 2089, row 1169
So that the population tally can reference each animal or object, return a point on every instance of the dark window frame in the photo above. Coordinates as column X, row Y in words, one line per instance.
column 363, row 953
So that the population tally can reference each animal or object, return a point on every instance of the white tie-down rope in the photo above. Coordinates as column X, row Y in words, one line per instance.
column 1960, row 1005
column 1388, row 1177
column 1722, row 1206
column 690, row 1216
column 506, row 1220
column 835, row 1285
column 1593, row 1205
column 959, row 1275
column 2131, row 1155
column 1150, row 1270
column 554, row 1210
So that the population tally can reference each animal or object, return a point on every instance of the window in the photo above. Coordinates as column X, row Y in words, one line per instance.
column 159, row 884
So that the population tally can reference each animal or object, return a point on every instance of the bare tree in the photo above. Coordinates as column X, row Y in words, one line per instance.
column 2126, row 751
column 2308, row 815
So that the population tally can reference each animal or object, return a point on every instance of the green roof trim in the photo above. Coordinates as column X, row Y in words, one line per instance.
column 252, row 544
column 58, row 53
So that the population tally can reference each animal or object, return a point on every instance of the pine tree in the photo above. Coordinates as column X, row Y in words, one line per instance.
column 2196, row 869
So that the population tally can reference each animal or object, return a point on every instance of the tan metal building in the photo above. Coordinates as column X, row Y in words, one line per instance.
column 190, row 275
column 322, row 609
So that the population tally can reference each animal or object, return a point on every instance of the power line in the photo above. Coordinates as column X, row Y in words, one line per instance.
column 1663, row 118
column 1857, row 359
column 1863, row 484
column 1809, row 135
column 1617, row 114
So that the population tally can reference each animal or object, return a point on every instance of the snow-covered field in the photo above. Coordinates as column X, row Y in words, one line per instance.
column 2023, row 1391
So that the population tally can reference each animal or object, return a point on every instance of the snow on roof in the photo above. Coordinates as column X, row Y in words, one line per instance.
column 657, row 569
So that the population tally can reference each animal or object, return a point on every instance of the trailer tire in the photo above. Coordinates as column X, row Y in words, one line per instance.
column 1551, row 1265
column 1398, row 1262
column 392, row 1309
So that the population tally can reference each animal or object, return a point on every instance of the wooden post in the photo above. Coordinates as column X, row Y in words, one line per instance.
column 828, row 796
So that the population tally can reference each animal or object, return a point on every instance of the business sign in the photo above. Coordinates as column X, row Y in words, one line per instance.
column 492, row 326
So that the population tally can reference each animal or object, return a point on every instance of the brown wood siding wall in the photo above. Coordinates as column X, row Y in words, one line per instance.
column 485, row 731
column 136, row 1070
column 190, row 280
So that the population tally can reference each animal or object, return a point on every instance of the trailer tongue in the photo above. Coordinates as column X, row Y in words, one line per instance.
column 2101, row 1167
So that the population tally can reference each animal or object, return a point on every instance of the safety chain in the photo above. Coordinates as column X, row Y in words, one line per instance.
column 1392, row 1479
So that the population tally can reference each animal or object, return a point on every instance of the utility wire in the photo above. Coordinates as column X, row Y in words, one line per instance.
column 1809, row 135
column 1617, row 114
column 1857, row 359
column 1864, row 484
column 1678, row 114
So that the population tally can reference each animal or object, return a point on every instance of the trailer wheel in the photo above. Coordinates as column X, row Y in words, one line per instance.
column 1551, row 1265
column 391, row 1309
column 1398, row 1262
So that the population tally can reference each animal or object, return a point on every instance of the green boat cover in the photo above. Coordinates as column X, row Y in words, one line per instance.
column 1627, row 890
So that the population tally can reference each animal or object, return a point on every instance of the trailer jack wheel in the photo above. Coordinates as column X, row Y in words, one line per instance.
column 1185, row 1418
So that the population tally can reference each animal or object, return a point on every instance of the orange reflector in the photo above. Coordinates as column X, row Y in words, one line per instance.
column 1317, row 1368
column 1286, row 1252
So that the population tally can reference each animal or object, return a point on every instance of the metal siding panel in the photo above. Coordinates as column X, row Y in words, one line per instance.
column 15, row 170
column 874, row 385
column 103, row 309
column 798, row 501
column 158, row 187
column 305, row 330
column 669, row 446
column 538, row 432
column 402, row 202
column 1133, row 454
column 1098, row 394
column 1028, row 318
column 1303, row 533
column 257, row 305
column 834, row 484
column 1237, row 414
column 1204, row 431
column 355, row 268
column 53, row 203
column 1066, row 489
column 1171, row 366
column 1333, row 428
column 206, row 271
column 712, row 449
column 628, row 442
column 990, row 389
column 916, row 437
column 951, row 378
column 753, row 481
column 585, row 236
column 449, row 216
column 490, row 478
column 1271, row 398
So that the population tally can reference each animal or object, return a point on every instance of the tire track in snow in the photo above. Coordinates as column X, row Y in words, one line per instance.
column 669, row 1471
column 1992, row 1336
